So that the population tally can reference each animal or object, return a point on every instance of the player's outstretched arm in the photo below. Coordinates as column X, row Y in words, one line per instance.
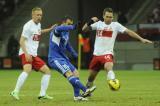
column 65, row 28
column 48, row 29
column 135, row 35
column 87, row 26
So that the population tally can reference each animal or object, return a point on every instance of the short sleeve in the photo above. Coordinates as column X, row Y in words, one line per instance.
column 94, row 26
column 26, row 31
column 120, row 28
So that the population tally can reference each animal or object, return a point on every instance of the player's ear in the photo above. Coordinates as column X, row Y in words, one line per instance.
column 112, row 18
column 103, row 17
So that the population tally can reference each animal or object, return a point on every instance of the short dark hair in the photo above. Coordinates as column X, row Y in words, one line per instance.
column 67, row 17
column 107, row 10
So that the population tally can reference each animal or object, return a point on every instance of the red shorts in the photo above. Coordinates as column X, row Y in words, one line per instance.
column 36, row 63
column 98, row 62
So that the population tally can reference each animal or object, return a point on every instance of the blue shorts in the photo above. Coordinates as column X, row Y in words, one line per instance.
column 61, row 65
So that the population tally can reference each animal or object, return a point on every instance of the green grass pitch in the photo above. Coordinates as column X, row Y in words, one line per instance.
column 138, row 88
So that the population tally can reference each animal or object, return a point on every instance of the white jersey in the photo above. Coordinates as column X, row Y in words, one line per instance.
column 32, row 32
column 105, row 37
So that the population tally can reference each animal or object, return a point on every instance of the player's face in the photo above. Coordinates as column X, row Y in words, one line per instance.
column 108, row 17
column 69, row 22
column 37, row 16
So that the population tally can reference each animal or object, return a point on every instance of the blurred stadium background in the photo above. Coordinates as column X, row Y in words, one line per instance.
column 142, row 16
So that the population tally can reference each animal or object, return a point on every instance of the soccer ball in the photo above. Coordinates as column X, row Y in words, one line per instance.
column 114, row 84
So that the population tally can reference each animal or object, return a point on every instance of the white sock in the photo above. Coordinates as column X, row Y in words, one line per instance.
column 21, row 79
column 110, row 75
column 44, row 84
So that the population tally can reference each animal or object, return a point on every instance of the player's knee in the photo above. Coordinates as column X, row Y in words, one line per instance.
column 27, row 68
column 108, row 66
column 47, row 71
column 27, row 71
column 76, row 73
column 68, row 74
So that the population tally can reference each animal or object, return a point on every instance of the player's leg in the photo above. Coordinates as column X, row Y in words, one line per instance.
column 76, row 75
column 45, row 82
column 109, row 68
column 75, row 80
column 62, row 67
column 77, row 85
column 91, row 78
column 23, row 76
column 27, row 67
column 78, row 82
column 39, row 64
column 94, row 68
column 76, row 89
column 87, row 91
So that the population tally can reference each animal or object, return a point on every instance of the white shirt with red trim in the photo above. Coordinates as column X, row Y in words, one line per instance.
column 105, row 37
column 32, row 32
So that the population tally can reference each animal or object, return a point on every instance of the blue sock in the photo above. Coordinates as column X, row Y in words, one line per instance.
column 76, row 83
column 76, row 91
column 80, row 85
column 75, row 87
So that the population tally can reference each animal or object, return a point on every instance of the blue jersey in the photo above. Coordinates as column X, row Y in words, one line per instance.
column 59, row 42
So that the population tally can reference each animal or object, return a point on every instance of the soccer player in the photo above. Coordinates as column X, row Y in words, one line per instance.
column 106, row 33
column 57, row 59
column 29, row 42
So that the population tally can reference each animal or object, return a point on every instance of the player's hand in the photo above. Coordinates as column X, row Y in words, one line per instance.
column 146, row 41
column 53, row 26
column 28, row 57
column 92, row 20
column 95, row 19
column 77, row 24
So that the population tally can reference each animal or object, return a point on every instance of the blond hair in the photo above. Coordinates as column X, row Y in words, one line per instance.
column 36, row 9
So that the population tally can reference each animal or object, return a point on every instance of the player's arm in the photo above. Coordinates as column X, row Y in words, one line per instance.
column 23, row 46
column 87, row 26
column 65, row 28
column 59, row 29
column 71, row 50
column 48, row 29
column 135, row 35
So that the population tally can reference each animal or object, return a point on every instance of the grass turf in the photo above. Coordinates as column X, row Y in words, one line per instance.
column 138, row 88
